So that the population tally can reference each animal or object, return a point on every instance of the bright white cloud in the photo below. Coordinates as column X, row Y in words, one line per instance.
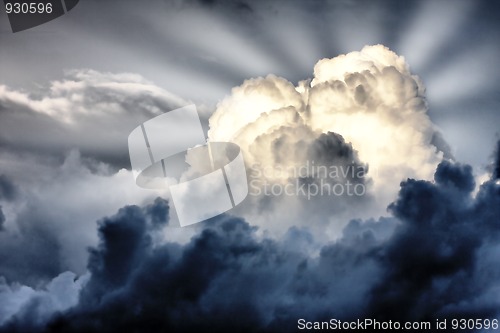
column 369, row 97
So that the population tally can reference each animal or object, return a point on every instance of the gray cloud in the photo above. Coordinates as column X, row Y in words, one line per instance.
column 90, row 111
column 32, row 254
column 50, row 222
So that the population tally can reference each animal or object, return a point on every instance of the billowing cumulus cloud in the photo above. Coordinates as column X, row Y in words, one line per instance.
column 361, row 111
column 436, row 257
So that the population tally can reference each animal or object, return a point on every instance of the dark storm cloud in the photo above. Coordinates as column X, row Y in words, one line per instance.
column 437, row 258
column 2, row 219
column 30, row 250
column 51, row 222
column 329, row 151
column 432, row 262
column 331, row 147
column 321, row 169
column 126, row 239
column 32, row 255
column 8, row 190
column 495, row 166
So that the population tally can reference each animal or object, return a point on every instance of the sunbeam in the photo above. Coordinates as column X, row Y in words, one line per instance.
column 434, row 19
column 465, row 76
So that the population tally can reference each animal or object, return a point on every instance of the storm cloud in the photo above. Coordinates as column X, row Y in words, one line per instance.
column 2, row 219
column 436, row 257
column 51, row 212
column 8, row 190
column 7, row 193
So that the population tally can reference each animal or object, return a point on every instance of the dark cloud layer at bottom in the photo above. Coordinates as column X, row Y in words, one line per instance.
column 437, row 258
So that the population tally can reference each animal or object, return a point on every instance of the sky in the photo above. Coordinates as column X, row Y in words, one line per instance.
column 394, row 103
